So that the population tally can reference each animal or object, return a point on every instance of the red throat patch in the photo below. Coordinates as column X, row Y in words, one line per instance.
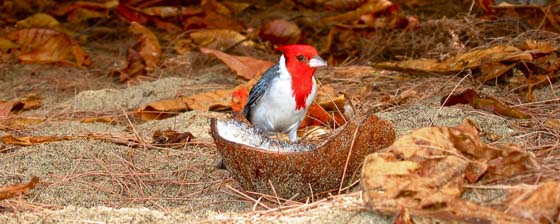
column 297, row 62
column 302, row 85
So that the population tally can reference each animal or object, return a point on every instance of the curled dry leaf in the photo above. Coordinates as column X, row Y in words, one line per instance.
column 11, row 191
column 48, row 46
column 472, row 59
column 280, row 32
column 143, row 57
column 30, row 102
column 32, row 140
column 268, row 166
column 540, row 205
column 486, row 103
column 245, row 67
column 147, row 45
column 426, row 169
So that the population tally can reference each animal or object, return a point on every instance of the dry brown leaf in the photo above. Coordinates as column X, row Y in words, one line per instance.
column 161, row 109
column 38, row 20
column 103, row 119
column 48, row 46
column 11, row 191
column 244, row 67
column 540, row 205
column 143, row 57
column 171, row 137
column 219, row 39
column 14, row 123
column 427, row 168
column 492, row 71
column 368, row 7
column 472, row 59
column 553, row 123
column 79, row 11
column 538, row 47
column 32, row 140
column 218, row 100
column 280, row 32
column 147, row 45
column 490, row 104
column 30, row 102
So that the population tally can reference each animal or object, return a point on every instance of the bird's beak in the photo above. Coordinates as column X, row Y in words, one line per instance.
column 317, row 62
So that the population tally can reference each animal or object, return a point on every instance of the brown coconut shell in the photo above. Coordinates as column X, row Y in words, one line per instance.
column 294, row 174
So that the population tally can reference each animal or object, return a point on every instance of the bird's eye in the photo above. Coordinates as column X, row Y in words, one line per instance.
column 300, row 57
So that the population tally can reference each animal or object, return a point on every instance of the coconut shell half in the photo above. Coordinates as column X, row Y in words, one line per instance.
column 301, row 173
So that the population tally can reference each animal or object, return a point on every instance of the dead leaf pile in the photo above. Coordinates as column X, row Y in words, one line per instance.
column 425, row 172
column 537, row 60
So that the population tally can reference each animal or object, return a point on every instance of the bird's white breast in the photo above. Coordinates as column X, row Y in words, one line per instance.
column 276, row 111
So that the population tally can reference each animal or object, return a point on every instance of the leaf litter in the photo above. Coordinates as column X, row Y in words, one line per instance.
column 402, row 102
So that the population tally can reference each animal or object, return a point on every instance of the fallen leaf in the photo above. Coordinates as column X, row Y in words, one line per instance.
column 79, row 11
column 538, row 47
column 161, row 109
column 171, row 137
column 217, row 100
column 143, row 57
column 244, row 67
column 368, row 7
column 239, row 98
column 11, row 191
column 540, row 205
column 32, row 140
column 237, row 7
column 39, row 20
column 426, row 169
column 472, row 59
column 318, row 116
column 553, row 123
column 102, row 119
column 280, row 32
column 490, row 104
column 215, row 16
column 219, row 39
column 48, row 46
column 147, row 45
column 492, row 71
column 30, row 102
column 15, row 123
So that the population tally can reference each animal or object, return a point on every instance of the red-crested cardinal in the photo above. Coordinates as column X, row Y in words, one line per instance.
column 281, row 98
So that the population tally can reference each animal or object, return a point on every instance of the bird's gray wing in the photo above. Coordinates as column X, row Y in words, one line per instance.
column 259, row 89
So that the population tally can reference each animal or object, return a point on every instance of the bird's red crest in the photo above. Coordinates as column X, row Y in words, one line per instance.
column 297, row 58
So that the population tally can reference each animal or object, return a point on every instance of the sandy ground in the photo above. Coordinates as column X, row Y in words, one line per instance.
column 85, row 180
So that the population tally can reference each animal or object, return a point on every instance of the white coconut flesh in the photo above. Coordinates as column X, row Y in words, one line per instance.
column 241, row 133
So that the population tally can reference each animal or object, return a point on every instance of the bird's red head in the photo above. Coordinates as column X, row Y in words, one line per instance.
column 301, row 63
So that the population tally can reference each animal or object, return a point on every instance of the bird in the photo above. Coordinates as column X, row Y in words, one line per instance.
column 280, row 99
